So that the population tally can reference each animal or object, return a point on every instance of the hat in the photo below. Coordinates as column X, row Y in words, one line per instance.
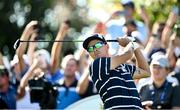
column 95, row 36
column 128, row 3
column 160, row 60
column 125, row 1
column 45, row 54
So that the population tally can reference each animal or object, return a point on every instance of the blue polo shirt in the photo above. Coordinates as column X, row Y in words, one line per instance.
column 67, row 95
column 9, row 97
column 116, row 87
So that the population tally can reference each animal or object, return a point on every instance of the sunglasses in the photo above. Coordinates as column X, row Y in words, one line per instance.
column 97, row 46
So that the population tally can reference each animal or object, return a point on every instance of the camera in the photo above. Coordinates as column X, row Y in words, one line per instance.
column 43, row 92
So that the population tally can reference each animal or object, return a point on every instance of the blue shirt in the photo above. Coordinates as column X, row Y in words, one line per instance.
column 54, row 78
column 9, row 97
column 116, row 87
column 67, row 95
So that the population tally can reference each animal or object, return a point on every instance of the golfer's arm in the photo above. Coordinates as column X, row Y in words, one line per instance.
column 142, row 69
column 123, row 58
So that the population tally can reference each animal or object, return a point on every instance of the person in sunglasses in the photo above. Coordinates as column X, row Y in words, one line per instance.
column 112, row 76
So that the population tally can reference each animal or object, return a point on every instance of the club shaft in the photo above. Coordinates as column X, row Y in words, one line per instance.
column 17, row 43
column 60, row 41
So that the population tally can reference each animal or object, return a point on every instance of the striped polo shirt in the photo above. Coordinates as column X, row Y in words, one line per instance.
column 116, row 87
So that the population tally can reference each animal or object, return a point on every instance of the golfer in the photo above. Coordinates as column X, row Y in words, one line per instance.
column 112, row 76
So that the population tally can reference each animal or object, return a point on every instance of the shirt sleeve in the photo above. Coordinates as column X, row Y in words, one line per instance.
column 100, row 68
column 131, row 68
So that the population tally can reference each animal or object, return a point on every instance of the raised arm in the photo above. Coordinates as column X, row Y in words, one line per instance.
column 142, row 69
column 29, row 29
column 127, row 53
column 143, row 14
column 26, row 77
column 57, row 46
column 168, row 27
column 31, row 48
column 83, row 82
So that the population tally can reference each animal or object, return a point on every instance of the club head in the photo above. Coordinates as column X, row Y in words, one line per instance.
column 16, row 44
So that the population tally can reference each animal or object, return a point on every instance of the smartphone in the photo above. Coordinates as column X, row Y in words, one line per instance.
column 68, row 22
column 40, row 32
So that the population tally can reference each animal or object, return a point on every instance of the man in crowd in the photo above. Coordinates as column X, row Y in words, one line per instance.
column 160, row 93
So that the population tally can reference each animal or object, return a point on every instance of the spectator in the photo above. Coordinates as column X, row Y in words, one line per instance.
column 7, row 91
column 160, row 93
column 68, row 86
column 115, row 27
column 70, row 90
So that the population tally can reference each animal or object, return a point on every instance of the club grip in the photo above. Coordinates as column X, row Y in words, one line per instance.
column 111, row 40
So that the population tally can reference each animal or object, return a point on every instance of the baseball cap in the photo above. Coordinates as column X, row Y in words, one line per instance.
column 93, row 37
column 160, row 60
column 128, row 3
column 45, row 54
column 125, row 1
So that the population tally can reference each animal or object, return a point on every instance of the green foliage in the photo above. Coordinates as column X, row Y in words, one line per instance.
column 158, row 10
column 15, row 14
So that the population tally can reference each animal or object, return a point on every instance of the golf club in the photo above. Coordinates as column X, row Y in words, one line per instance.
column 17, row 43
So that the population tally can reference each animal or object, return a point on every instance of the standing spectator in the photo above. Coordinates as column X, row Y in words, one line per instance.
column 70, row 89
column 7, row 91
column 115, row 27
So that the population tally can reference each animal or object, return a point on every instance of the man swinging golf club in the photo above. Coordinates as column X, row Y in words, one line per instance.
column 112, row 76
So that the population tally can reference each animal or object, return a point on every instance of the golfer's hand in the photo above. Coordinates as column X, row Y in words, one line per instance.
column 123, row 41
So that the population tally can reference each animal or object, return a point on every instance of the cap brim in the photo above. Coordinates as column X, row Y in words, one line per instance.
column 86, row 41
column 157, row 63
